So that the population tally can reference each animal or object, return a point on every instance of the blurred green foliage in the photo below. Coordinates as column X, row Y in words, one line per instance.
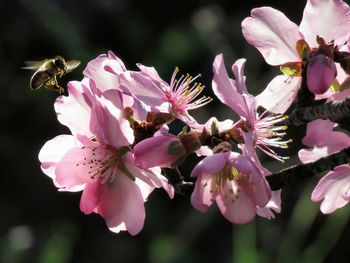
column 38, row 224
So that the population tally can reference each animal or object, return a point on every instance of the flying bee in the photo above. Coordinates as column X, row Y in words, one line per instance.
column 48, row 70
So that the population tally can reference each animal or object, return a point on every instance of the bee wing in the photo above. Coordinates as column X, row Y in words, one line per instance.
column 34, row 65
column 71, row 65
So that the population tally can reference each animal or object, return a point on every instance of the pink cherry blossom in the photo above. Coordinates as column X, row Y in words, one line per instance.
column 98, row 160
column 333, row 190
column 275, row 36
column 178, row 97
column 234, row 94
column 234, row 182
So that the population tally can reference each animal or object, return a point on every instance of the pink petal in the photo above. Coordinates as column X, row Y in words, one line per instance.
column 150, row 72
column 279, row 93
column 142, row 87
column 329, row 19
column 108, row 121
column 273, row 205
column 202, row 197
column 154, row 151
column 273, row 34
column 54, row 149
column 204, row 151
column 323, row 139
column 238, row 211
column 77, row 166
column 73, row 111
column 114, row 64
column 242, row 163
column 151, row 177
column 248, row 149
column 318, row 132
column 140, row 109
column 311, row 155
column 122, row 205
column 145, row 188
column 230, row 91
column 90, row 198
column 52, row 152
column 210, row 164
column 332, row 189
column 104, row 79
column 262, row 192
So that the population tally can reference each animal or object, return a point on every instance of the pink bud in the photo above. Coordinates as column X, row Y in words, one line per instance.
column 162, row 151
column 321, row 72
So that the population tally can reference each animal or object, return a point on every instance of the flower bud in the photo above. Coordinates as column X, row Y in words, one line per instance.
column 321, row 72
column 162, row 151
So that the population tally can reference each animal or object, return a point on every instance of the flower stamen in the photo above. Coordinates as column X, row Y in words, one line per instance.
column 184, row 91
column 268, row 134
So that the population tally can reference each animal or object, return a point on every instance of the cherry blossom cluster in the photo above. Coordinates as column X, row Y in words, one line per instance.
column 121, row 149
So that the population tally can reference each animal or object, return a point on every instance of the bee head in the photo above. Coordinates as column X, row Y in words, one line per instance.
column 60, row 63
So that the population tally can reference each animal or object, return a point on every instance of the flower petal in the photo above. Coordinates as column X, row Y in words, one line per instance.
column 202, row 197
column 108, row 121
column 323, row 139
column 318, row 132
column 332, row 189
column 90, row 198
column 103, row 78
column 78, row 165
column 311, row 155
column 329, row 19
column 238, row 211
column 273, row 205
column 73, row 111
column 122, row 205
column 273, row 34
column 210, row 164
column 155, row 151
column 142, row 87
column 279, row 93
column 151, row 177
column 262, row 192
column 52, row 152
column 232, row 92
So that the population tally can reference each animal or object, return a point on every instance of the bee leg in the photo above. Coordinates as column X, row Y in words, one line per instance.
column 59, row 89
column 56, row 88
column 52, row 84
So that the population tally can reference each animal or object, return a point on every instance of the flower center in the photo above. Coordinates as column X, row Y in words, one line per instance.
column 184, row 91
column 269, row 133
column 100, row 162
column 228, row 183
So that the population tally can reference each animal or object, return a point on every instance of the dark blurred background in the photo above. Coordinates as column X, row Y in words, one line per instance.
column 39, row 224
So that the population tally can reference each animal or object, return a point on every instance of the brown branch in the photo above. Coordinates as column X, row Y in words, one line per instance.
column 333, row 111
column 304, row 171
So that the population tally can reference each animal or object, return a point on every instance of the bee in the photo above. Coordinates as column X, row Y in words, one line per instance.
column 48, row 70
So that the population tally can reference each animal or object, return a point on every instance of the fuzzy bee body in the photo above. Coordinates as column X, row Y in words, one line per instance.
column 48, row 70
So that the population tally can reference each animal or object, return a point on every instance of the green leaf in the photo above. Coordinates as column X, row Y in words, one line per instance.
column 292, row 69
